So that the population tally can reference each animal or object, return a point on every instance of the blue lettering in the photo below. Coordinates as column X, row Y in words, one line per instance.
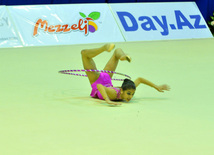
column 197, row 21
column 122, row 16
column 180, row 24
column 148, row 22
column 162, row 24
column 172, row 26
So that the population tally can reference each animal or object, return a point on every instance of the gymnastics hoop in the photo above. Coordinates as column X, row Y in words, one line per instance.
column 92, row 70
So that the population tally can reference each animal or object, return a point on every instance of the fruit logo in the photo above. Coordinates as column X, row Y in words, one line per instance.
column 92, row 26
column 85, row 25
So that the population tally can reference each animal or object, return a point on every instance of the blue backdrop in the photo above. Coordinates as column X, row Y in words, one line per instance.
column 206, row 6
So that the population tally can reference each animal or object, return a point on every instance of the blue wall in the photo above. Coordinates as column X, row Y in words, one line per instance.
column 206, row 6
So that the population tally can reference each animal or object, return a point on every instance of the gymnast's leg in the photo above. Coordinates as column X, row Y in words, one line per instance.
column 113, row 62
column 88, row 62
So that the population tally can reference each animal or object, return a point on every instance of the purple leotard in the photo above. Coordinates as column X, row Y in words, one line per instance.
column 105, row 80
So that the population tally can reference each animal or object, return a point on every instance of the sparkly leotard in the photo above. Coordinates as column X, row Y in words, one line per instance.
column 105, row 80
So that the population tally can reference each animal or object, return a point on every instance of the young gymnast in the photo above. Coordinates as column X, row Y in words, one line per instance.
column 101, row 84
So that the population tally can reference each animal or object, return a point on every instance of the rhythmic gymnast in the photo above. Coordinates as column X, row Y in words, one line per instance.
column 101, row 84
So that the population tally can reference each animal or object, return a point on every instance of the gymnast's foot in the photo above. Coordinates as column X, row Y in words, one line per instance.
column 109, row 47
column 126, row 57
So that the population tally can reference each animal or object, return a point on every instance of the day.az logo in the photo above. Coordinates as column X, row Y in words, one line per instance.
column 86, row 25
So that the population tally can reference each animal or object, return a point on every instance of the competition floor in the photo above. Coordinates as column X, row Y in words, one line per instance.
column 46, row 113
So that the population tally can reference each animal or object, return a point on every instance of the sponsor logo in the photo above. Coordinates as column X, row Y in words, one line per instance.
column 92, row 26
column 85, row 25
column 152, row 23
column 5, row 23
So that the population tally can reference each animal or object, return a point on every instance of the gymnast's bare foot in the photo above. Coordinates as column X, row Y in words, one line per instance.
column 126, row 57
column 109, row 47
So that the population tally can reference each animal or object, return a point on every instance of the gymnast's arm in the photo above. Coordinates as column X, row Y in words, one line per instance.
column 159, row 88
column 107, row 94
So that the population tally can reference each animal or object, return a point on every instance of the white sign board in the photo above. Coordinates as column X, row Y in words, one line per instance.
column 160, row 21
column 65, row 24
column 8, row 35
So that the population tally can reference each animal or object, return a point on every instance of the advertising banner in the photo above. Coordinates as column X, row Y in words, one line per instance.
column 65, row 24
column 8, row 35
column 160, row 21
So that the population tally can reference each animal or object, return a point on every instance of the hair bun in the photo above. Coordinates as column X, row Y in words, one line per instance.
column 128, row 84
column 127, row 80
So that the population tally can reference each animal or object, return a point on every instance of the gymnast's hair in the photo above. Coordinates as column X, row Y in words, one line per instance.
column 128, row 84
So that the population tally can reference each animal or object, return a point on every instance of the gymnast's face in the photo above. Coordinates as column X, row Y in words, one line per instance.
column 127, row 94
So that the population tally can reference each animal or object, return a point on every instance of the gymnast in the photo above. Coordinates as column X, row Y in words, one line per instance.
column 101, row 84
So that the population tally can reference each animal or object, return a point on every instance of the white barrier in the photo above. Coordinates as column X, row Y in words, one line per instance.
column 8, row 35
column 65, row 24
column 159, row 21
column 98, row 23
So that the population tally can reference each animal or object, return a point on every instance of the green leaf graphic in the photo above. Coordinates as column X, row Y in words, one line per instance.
column 82, row 14
column 94, row 15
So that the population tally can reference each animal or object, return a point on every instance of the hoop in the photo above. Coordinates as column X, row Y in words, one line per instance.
column 92, row 70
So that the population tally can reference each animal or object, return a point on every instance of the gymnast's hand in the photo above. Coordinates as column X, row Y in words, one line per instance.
column 113, row 103
column 162, row 88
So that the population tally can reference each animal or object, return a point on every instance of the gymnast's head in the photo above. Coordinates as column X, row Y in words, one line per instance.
column 127, row 90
